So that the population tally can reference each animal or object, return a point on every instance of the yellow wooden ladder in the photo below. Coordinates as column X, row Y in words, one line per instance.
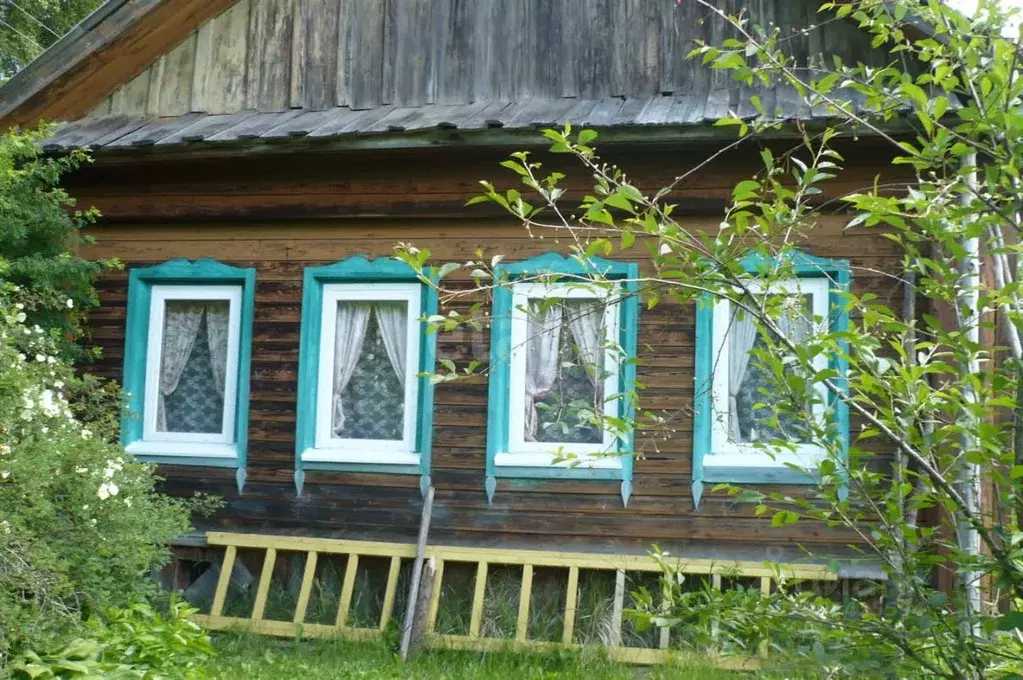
column 483, row 558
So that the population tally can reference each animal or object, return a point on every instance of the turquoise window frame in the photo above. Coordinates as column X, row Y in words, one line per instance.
column 803, row 265
column 184, row 272
column 500, row 367
column 359, row 269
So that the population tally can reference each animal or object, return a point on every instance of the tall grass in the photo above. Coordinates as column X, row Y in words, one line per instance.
column 249, row 657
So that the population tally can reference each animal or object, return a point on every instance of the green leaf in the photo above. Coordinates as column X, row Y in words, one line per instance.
column 446, row 269
column 587, row 136
column 745, row 190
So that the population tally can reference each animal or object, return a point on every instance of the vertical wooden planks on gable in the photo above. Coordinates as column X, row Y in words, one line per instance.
column 509, row 66
column 390, row 51
column 642, row 73
column 619, row 46
column 684, row 25
column 456, row 71
column 155, row 83
column 201, row 67
column 132, row 97
column 482, row 47
column 268, row 82
column 546, row 27
column 296, row 86
column 102, row 109
column 174, row 96
column 343, row 76
column 226, row 77
column 413, row 52
column 439, row 21
column 321, row 51
column 593, row 34
column 367, row 59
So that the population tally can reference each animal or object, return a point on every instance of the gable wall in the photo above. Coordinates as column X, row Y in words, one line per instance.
column 272, row 55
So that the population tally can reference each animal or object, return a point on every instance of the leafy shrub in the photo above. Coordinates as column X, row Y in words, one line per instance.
column 80, row 524
column 134, row 642
column 39, row 233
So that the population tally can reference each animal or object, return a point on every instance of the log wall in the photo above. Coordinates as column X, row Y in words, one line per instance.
column 241, row 219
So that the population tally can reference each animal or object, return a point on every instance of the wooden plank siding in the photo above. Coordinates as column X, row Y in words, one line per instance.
column 584, row 515
column 318, row 54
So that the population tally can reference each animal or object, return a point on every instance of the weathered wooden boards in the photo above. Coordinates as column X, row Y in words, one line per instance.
column 585, row 515
column 528, row 560
column 272, row 55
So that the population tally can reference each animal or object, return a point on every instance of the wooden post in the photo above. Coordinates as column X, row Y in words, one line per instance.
column 417, row 574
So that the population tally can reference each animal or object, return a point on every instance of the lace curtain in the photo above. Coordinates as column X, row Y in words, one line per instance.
column 551, row 349
column 543, row 338
column 747, row 381
column 182, row 322
column 351, row 339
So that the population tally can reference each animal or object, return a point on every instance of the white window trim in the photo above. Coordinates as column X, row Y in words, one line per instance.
column 331, row 449
column 727, row 453
column 211, row 445
column 522, row 453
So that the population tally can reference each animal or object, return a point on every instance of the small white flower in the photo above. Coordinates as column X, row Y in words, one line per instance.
column 127, row 501
column 70, row 303
column 5, row 474
column 5, row 449
column 86, row 433
column 20, row 318
column 106, row 490
column 19, row 306
column 40, row 358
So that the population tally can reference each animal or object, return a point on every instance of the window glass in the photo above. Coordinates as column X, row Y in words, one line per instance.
column 564, row 371
column 749, row 381
column 193, row 366
column 370, row 355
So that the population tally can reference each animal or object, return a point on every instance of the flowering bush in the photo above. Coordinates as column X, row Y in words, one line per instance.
column 80, row 524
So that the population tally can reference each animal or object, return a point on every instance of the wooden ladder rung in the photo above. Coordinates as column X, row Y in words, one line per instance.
column 478, row 596
column 571, row 597
column 390, row 592
column 265, row 576
column 226, row 567
column 347, row 589
column 525, row 595
column 438, row 579
column 308, row 576
column 618, row 609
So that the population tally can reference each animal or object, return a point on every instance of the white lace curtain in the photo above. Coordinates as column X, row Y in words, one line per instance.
column 794, row 325
column 743, row 334
column 180, row 330
column 543, row 350
column 350, row 333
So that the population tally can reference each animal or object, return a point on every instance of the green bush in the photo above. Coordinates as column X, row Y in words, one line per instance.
column 134, row 642
column 81, row 526
column 39, row 234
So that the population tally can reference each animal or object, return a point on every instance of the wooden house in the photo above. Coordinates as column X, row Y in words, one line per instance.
column 257, row 161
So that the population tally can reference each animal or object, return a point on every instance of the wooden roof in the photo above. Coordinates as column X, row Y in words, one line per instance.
column 141, row 72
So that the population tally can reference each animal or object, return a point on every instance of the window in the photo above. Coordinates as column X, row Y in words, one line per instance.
column 364, row 404
column 564, row 375
column 733, row 412
column 186, row 363
column 560, row 367
column 369, row 358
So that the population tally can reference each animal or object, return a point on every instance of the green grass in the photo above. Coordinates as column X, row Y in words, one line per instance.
column 251, row 657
